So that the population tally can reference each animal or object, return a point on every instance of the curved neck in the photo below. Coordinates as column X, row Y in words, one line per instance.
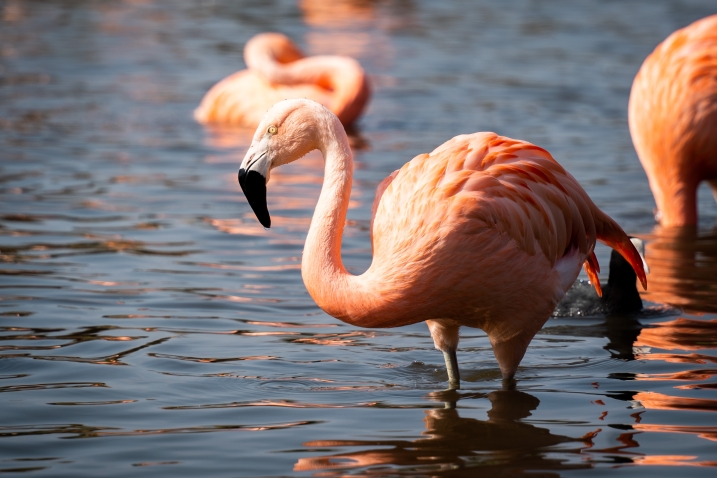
column 676, row 200
column 268, row 53
column 278, row 61
column 323, row 272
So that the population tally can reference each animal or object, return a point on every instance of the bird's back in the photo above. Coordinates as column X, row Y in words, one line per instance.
column 485, row 181
column 484, row 224
column 244, row 97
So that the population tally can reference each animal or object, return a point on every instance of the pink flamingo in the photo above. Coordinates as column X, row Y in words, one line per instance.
column 277, row 70
column 485, row 232
column 673, row 120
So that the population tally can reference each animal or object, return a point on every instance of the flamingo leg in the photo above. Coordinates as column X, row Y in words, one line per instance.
column 454, row 377
column 713, row 186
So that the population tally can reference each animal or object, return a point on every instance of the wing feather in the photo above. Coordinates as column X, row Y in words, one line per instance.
column 479, row 181
column 484, row 181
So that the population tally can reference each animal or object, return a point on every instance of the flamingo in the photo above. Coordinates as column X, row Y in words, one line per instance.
column 673, row 120
column 485, row 231
column 277, row 70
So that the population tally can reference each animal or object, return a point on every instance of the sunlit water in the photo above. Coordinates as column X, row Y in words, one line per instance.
column 150, row 326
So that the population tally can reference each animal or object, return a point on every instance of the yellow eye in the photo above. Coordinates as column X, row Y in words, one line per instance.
column 272, row 129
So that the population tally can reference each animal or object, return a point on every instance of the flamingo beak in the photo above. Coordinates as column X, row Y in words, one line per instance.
column 252, row 179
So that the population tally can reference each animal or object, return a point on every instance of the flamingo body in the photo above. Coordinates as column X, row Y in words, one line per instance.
column 277, row 70
column 673, row 119
column 484, row 231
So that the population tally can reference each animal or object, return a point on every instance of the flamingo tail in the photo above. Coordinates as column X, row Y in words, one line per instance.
column 610, row 233
column 593, row 269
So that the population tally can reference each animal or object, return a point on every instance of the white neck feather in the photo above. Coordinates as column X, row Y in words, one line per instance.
column 323, row 271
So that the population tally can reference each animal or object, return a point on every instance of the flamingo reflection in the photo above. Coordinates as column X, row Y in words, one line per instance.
column 349, row 27
column 660, row 401
column 503, row 442
column 339, row 27
column 683, row 271
column 680, row 334
column 683, row 264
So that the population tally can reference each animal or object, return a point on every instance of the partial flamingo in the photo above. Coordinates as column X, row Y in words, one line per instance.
column 485, row 231
column 277, row 70
column 673, row 120
column 619, row 297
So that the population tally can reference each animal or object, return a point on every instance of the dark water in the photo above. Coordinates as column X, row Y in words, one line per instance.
column 151, row 327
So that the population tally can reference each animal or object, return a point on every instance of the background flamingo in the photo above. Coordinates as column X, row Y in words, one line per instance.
column 484, row 232
column 277, row 70
column 673, row 119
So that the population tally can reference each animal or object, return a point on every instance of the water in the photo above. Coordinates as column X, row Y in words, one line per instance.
column 151, row 327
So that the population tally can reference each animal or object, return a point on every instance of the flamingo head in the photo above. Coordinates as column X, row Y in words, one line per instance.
column 288, row 131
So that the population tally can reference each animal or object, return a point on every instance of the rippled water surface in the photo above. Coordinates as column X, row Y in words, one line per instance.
column 150, row 326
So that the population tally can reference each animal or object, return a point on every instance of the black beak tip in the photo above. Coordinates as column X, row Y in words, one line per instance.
column 253, row 185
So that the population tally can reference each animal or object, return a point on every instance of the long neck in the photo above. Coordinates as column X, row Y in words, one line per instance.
column 268, row 53
column 676, row 199
column 324, row 274
column 680, row 208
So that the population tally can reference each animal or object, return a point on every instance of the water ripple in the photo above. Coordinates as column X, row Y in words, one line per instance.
column 126, row 242
column 50, row 386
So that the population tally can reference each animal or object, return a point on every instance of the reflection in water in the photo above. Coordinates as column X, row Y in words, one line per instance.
column 344, row 27
column 69, row 340
column 683, row 272
column 228, row 137
column 672, row 460
column 629, row 339
column 451, row 442
column 659, row 401
column 633, row 452
column 142, row 314
column 683, row 266
column 337, row 14
column 237, row 139
column 83, row 431
column 707, row 433
column 621, row 332
column 683, row 334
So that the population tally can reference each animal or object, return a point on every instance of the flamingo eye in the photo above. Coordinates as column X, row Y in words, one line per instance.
column 272, row 129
